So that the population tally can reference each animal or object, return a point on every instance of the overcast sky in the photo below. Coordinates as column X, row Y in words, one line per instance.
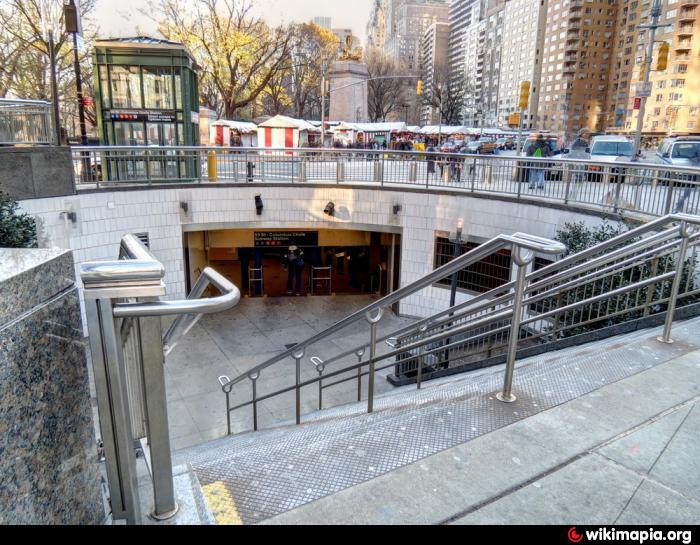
column 121, row 17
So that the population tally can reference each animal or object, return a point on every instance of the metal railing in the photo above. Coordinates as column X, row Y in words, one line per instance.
column 124, row 310
column 644, row 272
column 25, row 122
column 646, row 188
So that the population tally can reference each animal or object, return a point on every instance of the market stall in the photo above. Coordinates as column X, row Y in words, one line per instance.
column 234, row 134
column 286, row 132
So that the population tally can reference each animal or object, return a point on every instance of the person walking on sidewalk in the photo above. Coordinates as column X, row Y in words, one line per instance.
column 539, row 149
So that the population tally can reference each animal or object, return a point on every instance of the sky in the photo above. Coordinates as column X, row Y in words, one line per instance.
column 121, row 17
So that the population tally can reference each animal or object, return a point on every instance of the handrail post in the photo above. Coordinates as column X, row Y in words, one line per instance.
column 685, row 232
column 373, row 321
column 359, row 354
column 421, row 349
column 522, row 259
column 254, row 380
column 165, row 505
column 298, row 357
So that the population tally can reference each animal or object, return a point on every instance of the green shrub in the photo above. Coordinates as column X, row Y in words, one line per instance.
column 17, row 230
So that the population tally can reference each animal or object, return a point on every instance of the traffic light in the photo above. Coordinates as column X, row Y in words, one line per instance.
column 643, row 70
column 525, row 95
column 662, row 63
column 419, row 88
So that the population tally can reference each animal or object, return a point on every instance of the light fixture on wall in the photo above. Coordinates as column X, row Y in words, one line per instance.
column 330, row 209
column 397, row 209
column 185, row 207
column 72, row 216
column 259, row 206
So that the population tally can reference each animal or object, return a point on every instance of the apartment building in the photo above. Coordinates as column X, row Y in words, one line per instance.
column 674, row 105
column 524, row 24
column 576, row 57
column 407, row 21
column 433, row 68
column 376, row 26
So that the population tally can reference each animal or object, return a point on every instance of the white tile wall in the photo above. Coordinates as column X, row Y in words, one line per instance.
column 104, row 217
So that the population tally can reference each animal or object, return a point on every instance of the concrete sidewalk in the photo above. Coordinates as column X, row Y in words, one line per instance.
column 625, row 453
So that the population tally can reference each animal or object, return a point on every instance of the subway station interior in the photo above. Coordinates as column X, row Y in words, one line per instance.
column 328, row 261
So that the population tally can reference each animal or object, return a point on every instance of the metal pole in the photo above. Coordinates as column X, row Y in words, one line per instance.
column 680, row 267
column 165, row 505
column 520, row 134
column 655, row 16
column 79, row 90
column 324, row 68
column 373, row 320
column 54, row 90
column 453, row 285
column 522, row 261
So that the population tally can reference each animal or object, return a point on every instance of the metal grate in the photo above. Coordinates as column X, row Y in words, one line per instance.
column 482, row 277
column 273, row 472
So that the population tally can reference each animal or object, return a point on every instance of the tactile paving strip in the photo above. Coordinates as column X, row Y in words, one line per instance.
column 275, row 471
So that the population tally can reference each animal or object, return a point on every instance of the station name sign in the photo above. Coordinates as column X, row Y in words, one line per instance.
column 150, row 116
column 277, row 239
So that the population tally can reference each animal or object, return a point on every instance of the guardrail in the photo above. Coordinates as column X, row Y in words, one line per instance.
column 25, row 122
column 646, row 188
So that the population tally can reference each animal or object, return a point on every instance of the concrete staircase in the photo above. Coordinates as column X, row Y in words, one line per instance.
column 452, row 453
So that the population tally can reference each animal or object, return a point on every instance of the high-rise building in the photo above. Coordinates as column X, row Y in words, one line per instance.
column 521, row 58
column 674, row 105
column 323, row 22
column 578, row 45
column 376, row 27
column 406, row 23
column 489, row 64
column 433, row 68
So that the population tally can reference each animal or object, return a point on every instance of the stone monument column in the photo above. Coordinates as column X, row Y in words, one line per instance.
column 349, row 95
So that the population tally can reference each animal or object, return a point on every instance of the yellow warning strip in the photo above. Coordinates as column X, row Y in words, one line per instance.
column 222, row 504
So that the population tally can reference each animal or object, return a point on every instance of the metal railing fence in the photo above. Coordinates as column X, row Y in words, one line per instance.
column 647, row 188
column 647, row 271
column 25, row 122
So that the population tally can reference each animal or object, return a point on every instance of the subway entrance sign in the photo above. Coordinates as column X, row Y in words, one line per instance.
column 281, row 239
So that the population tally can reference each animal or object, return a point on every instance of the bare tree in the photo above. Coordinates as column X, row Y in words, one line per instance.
column 25, row 53
column 384, row 95
column 447, row 95
column 238, row 53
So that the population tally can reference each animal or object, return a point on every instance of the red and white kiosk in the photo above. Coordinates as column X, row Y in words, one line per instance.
column 286, row 132
column 239, row 134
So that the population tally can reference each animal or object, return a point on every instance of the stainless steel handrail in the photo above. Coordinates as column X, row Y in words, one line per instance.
column 520, row 240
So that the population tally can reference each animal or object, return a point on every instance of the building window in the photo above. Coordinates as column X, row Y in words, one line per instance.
column 158, row 88
column 126, row 87
column 489, row 274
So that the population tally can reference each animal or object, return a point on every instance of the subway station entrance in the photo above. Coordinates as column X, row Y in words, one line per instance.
column 287, row 262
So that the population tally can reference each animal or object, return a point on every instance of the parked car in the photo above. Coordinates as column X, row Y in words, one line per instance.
column 680, row 151
column 609, row 149
column 505, row 144
column 481, row 146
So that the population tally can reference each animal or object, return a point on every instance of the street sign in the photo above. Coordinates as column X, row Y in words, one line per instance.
column 643, row 90
column 637, row 103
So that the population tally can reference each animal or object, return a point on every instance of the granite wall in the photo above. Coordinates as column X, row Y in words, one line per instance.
column 48, row 457
column 36, row 172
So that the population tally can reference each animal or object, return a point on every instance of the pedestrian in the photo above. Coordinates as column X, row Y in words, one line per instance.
column 295, row 268
column 580, row 150
column 431, row 160
column 540, row 149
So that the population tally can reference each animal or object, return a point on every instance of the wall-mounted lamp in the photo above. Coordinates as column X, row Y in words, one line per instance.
column 72, row 216
column 397, row 209
column 259, row 206
column 330, row 209
column 185, row 207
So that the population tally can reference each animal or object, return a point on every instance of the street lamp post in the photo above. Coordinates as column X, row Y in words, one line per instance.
column 48, row 27
column 655, row 16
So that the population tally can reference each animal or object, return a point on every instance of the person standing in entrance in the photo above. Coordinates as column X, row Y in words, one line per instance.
column 539, row 149
column 295, row 269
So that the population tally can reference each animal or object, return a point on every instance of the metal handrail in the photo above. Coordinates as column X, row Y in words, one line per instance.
column 440, row 333
column 520, row 240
